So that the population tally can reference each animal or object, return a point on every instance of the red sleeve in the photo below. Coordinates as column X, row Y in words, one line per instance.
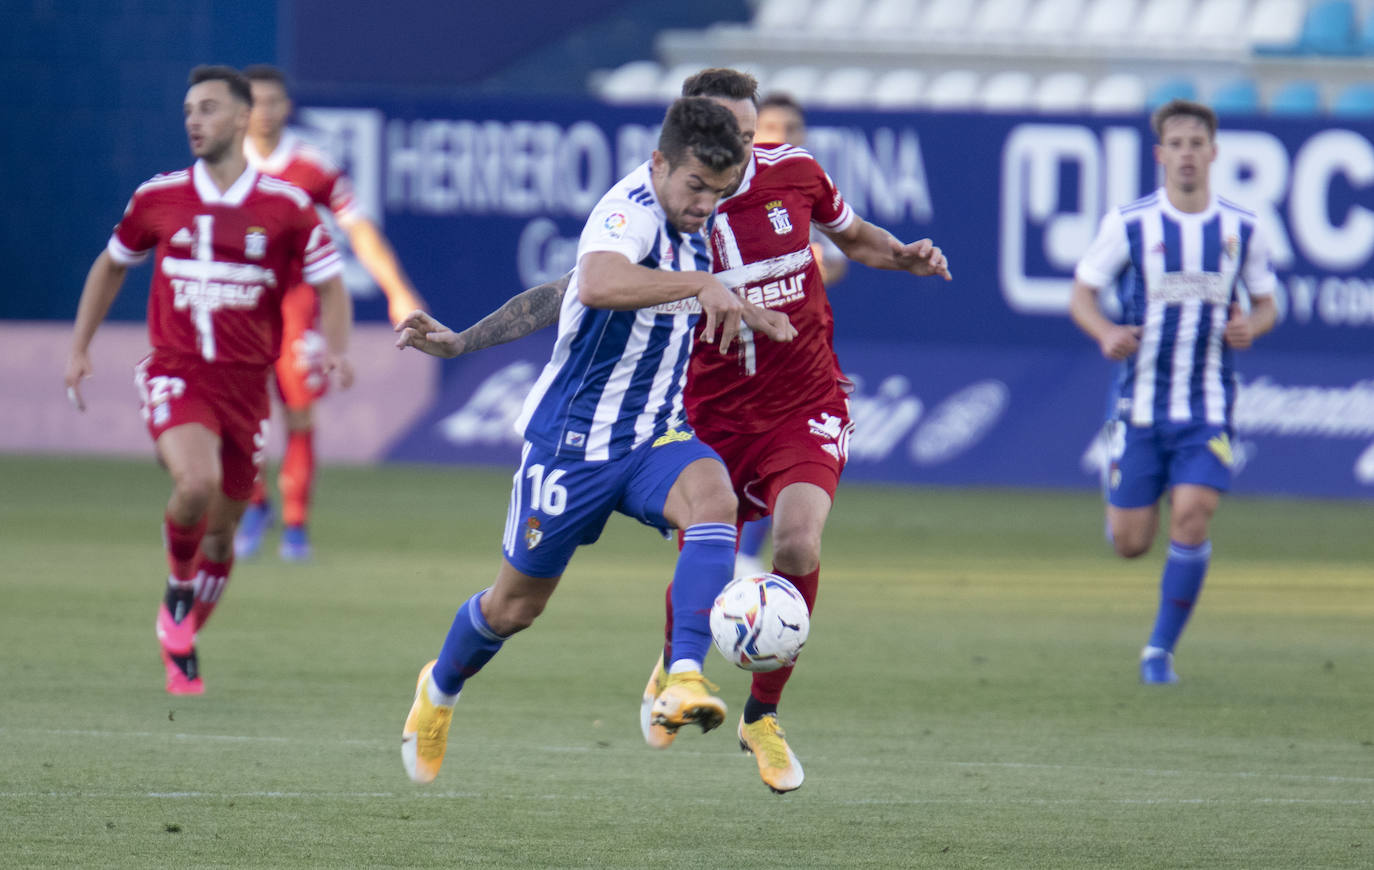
column 828, row 207
column 134, row 236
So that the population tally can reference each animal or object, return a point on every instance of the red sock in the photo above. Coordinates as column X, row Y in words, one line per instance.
column 297, row 477
column 767, row 686
column 210, row 582
column 182, row 542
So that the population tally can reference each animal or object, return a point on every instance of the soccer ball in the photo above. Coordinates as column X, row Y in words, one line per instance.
column 759, row 622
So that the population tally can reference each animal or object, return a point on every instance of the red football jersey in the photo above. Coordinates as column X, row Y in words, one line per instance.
column 308, row 167
column 761, row 247
column 221, row 260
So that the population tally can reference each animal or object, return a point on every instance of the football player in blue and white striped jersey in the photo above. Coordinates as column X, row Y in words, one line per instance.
column 604, row 425
column 1177, row 259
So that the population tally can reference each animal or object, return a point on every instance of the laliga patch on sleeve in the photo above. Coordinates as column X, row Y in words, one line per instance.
column 614, row 225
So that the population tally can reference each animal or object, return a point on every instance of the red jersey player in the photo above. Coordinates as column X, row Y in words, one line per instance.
column 273, row 150
column 226, row 243
column 777, row 414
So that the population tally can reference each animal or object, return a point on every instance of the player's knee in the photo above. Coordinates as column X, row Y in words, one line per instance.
column 1130, row 546
column 717, row 506
column 795, row 552
column 192, row 491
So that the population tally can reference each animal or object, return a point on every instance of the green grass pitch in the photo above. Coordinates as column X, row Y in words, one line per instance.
column 968, row 697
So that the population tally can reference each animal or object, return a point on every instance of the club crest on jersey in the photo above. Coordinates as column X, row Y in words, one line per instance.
column 533, row 534
column 779, row 217
column 255, row 243
column 1232, row 247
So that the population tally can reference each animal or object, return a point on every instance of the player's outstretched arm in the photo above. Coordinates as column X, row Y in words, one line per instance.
column 1115, row 340
column 97, row 295
column 374, row 251
column 874, row 246
column 336, row 322
column 523, row 314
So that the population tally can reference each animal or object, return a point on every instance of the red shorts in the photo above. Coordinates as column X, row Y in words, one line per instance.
column 806, row 448
column 301, row 378
column 229, row 400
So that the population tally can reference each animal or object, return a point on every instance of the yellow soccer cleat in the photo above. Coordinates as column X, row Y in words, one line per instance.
column 656, row 736
column 425, row 734
column 764, row 739
column 686, row 697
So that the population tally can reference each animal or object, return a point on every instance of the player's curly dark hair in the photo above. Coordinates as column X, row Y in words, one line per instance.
column 1187, row 109
column 232, row 78
column 704, row 128
column 722, row 83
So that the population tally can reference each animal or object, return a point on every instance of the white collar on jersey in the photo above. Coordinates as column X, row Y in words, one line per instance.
column 276, row 161
column 750, row 169
column 209, row 191
column 1204, row 215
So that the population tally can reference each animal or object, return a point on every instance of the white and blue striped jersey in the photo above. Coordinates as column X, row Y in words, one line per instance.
column 1176, row 276
column 615, row 378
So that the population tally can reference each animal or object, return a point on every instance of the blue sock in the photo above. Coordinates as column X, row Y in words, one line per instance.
column 705, row 564
column 755, row 532
column 1178, row 591
column 470, row 644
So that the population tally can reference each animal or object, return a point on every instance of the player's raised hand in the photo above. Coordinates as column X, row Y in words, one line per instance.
column 922, row 258
column 773, row 324
column 1240, row 333
column 338, row 366
column 1120, row 342
column 400, row 305
column 78, row 369
column 722, row 309
column 422, row 332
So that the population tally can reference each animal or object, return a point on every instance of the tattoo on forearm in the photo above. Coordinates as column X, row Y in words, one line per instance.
column 522, row 315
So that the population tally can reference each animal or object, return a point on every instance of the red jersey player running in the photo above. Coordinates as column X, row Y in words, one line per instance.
column 226, row 242
column 276, row 151
column 776, row 413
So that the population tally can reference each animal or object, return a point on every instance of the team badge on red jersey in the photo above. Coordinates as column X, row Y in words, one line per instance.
column 779, row 217
column 255, row 243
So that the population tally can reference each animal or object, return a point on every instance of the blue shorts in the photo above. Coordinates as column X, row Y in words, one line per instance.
column 1145, row 461
column 557, row 505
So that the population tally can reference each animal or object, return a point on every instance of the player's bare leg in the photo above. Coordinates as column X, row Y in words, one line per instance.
column 482, row 625
column 191, row 455
column 799, row 515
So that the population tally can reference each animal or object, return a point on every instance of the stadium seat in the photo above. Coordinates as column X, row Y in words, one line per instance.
column 835, row 16
column 1061, row 92
column 634, row 82
column 945, row 17
column 1329, row 28
column 898, row 89
column 953, row 89
column 799, row 82
column 776, row 15
column 892, row 17
column 1354, row 101
column 1218, row 22
column 1119, row 93
column 670, row 85
column 1170, row 89
column 844, row 86
column 999, row 20
column 1240, row 97
column 1275, row 25
column 1054, row 20
column 1006, row 92
column 1163, row 21
column 1296, row 98
column 1108, row 22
